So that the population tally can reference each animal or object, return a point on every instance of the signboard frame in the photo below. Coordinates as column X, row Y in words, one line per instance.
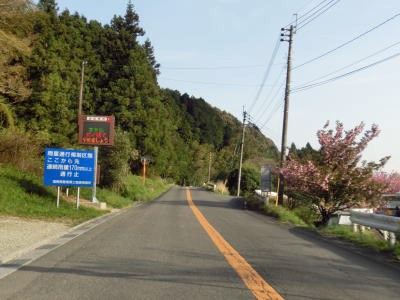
column 104, row 129
column 68, row 167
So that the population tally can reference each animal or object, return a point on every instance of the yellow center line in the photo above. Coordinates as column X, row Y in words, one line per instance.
column 258, row 286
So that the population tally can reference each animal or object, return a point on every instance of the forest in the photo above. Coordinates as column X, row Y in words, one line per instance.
column 42, row 52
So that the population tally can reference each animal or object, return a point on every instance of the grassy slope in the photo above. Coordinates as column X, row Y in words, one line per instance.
column 23, row 195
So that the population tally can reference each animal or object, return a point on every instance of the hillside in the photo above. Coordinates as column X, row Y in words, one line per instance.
column 41, row 53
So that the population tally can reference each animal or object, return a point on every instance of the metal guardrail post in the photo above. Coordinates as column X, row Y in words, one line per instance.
column 390, row 225
column 392, row 238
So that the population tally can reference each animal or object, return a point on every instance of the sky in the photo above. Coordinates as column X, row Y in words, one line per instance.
column 220, row 50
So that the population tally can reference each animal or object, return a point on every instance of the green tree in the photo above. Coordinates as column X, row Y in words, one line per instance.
column 250, row 180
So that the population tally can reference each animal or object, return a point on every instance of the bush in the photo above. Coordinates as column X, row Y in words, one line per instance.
column 114, row 162
column 22, row 150
column 249, row 182
column 308, row 213
column 283, row 214
column 301, row 216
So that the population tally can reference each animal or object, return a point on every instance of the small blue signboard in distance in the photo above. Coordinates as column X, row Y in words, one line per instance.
column 64, row 167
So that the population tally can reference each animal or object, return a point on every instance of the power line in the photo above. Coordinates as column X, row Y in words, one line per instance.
column 266, row 74
column 275, row 84
column 348, row 42
column 306, row 87
column 317, row 14
column 274, row 110
column 211, row 83
column 352, row 64
column 306, row 13
column 213, row 68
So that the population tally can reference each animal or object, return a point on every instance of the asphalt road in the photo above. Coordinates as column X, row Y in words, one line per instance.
column 160, row 250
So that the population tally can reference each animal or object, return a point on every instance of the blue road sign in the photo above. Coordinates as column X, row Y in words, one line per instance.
column 63, row 167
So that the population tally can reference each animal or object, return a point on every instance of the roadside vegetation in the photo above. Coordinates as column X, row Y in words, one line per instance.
column 22, row 194
column 369, row 238
column 302, row 217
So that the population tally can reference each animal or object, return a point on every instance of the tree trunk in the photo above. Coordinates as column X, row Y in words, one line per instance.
column 325, row 214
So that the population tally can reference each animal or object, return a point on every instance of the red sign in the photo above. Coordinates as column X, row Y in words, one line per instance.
column 96, row 130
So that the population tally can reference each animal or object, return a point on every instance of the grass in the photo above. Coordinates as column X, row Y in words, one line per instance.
column 112, row 199
column 281, row 213
column 368, row 238
column 24, row 195
column 136, row 191
column 300, row 217
column 284, row 215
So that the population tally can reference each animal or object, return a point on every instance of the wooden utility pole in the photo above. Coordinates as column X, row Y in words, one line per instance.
column 286, row 109
column 241, row 152
column 144, row 170
column 209, row 168
column 81, row 89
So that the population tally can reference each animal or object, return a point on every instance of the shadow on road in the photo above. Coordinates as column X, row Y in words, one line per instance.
column 143, row 270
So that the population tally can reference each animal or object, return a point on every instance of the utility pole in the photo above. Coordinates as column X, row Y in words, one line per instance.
column 286, row 109
column 209, row 168
column 81, row 89
column 144, row 171
column 241, row 152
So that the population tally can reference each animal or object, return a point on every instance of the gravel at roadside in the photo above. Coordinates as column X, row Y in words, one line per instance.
column 18, row 235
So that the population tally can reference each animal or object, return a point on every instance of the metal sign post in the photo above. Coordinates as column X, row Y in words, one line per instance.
column 78, row 197
column 96, row 153
column 58, row 196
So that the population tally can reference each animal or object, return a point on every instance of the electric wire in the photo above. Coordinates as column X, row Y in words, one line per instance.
column 317, row 14
column 347, row 43
column 306, row 13
column 306, row 87
column 211, row 83
column 276, row 107
column 266, row 74
column 262, row 112
column 213, row 68
column 350, row 65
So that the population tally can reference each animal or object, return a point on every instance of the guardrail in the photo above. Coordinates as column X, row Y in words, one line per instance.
column 210, row 186
column 383, row 222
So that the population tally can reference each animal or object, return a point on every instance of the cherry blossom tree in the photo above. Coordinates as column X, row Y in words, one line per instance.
column 390, row 180
column 336, row 178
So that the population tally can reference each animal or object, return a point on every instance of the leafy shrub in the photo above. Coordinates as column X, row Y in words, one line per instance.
column 21, row 150
column 249, row 181
column 308, row 214
column 283, row 214
column 114, row 161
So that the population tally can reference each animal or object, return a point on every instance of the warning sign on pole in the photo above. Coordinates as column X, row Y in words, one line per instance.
column 96, row 130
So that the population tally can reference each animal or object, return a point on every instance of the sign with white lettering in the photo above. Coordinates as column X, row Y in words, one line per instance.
column 65, row 167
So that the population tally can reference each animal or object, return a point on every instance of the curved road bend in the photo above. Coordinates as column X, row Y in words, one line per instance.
column 208, row 248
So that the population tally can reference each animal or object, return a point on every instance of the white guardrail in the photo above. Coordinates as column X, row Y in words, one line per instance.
column 382, row 222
